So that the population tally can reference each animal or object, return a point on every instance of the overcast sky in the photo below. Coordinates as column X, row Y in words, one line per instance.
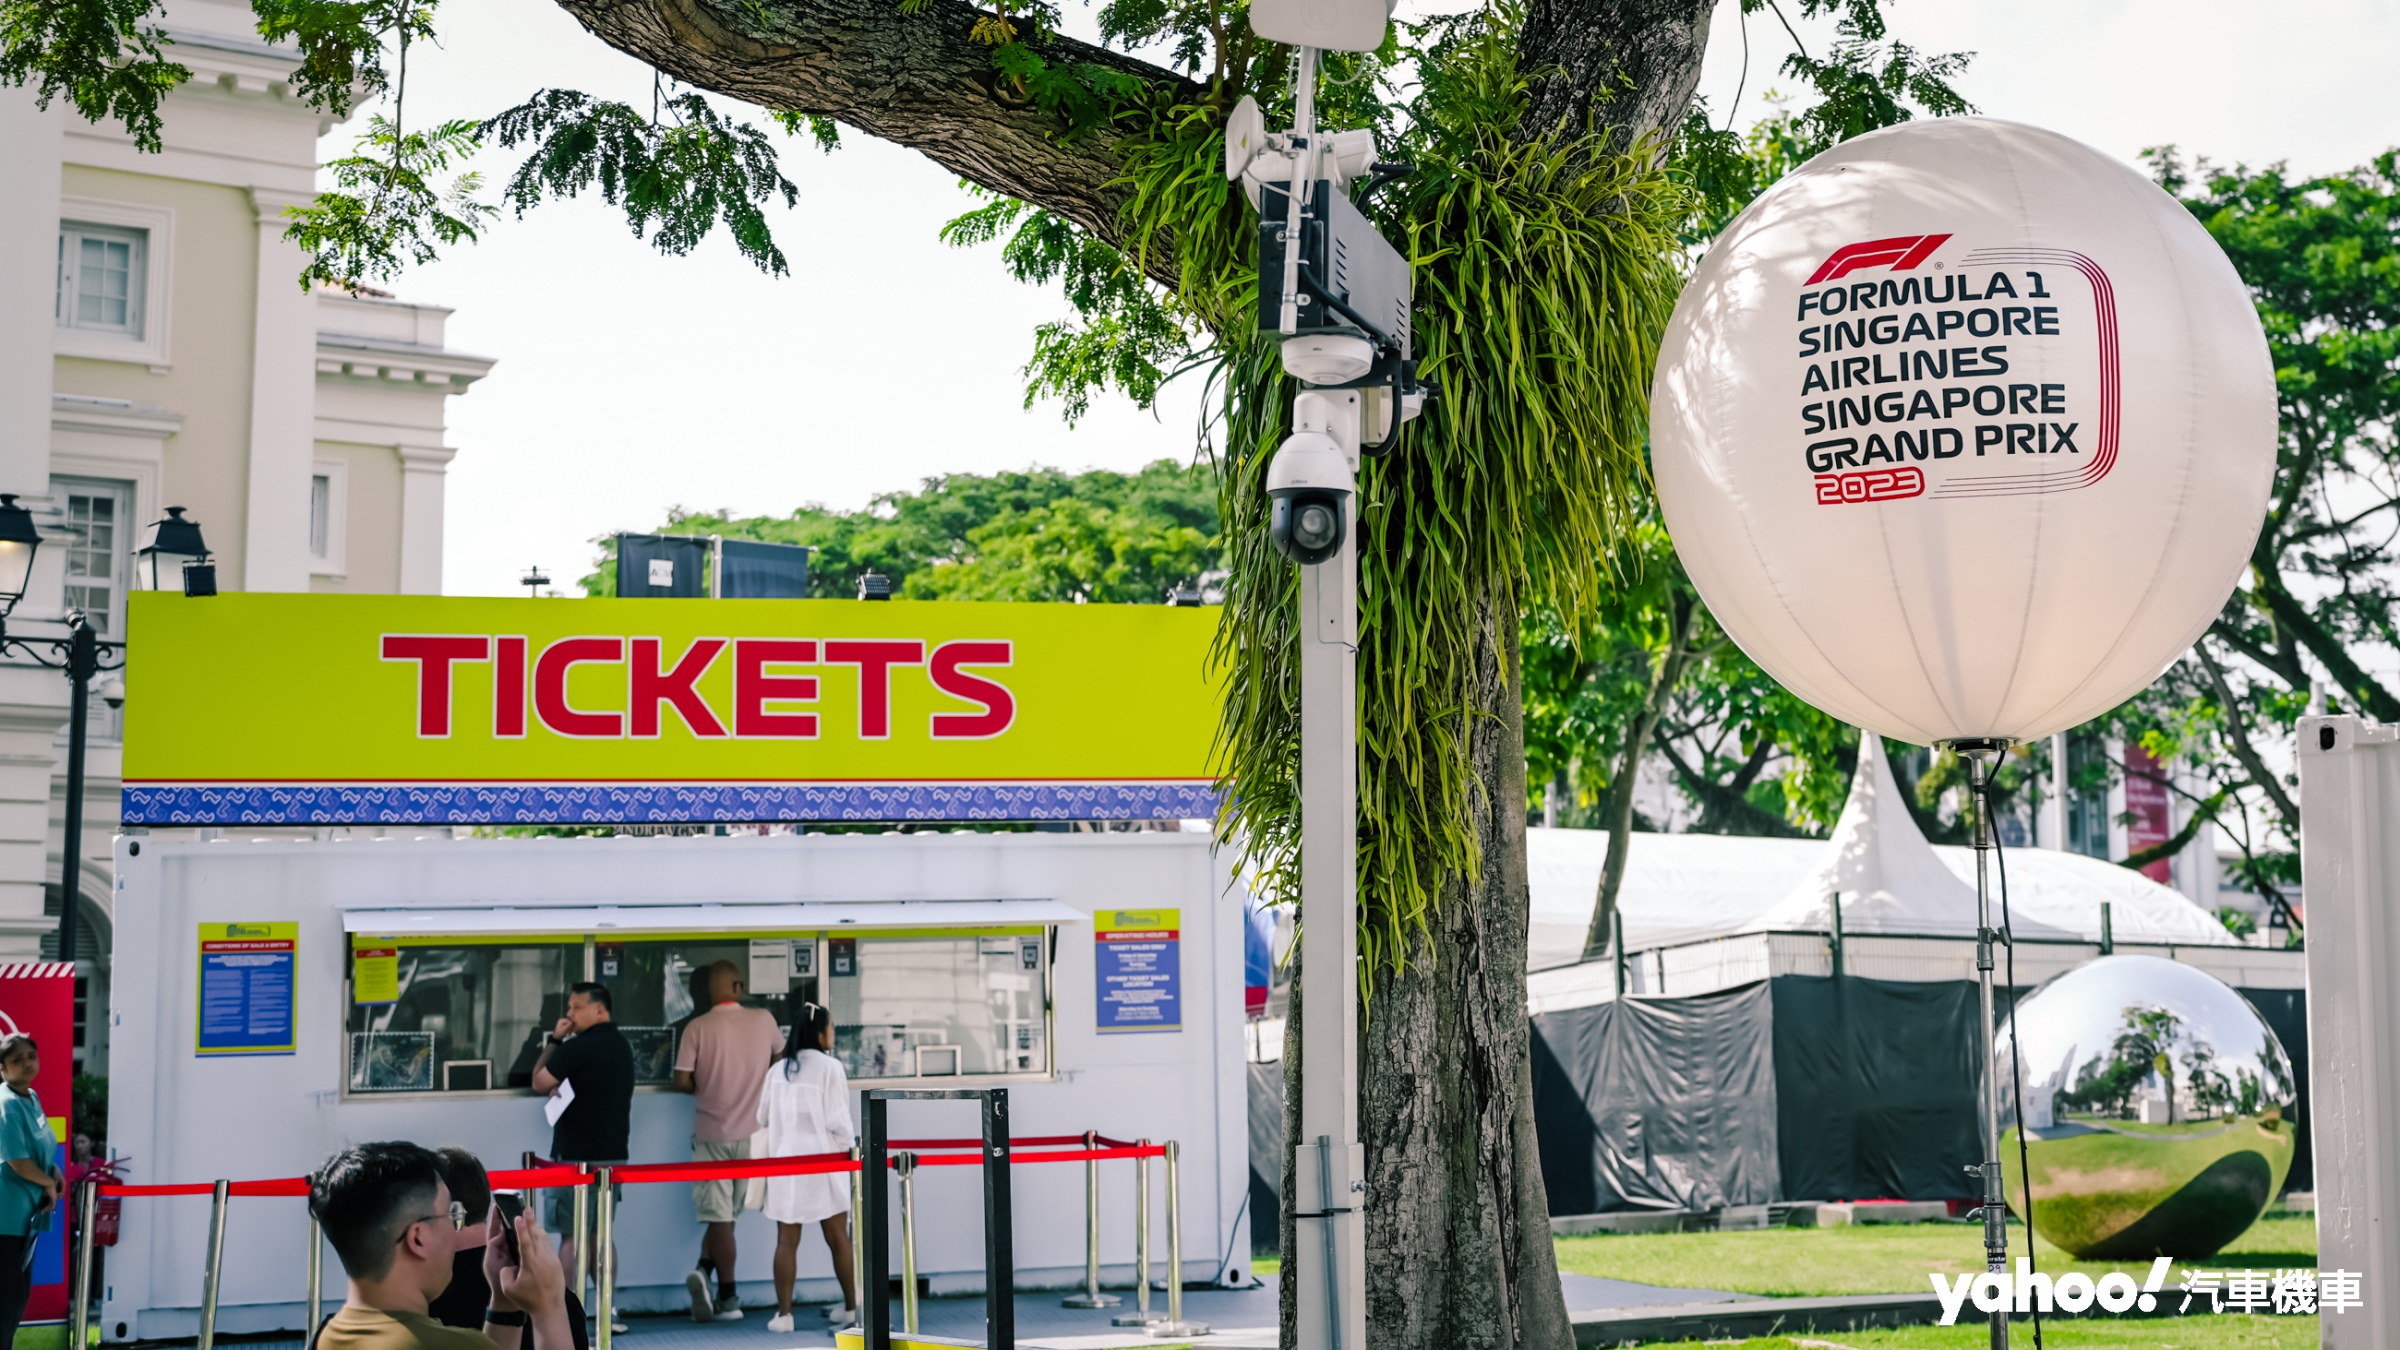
column 630, row 383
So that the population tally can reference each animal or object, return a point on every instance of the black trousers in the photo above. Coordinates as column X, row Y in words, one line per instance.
column 16, row 1285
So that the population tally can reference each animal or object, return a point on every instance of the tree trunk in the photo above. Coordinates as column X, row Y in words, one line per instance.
column 1664, row 677
column 1458, row 1221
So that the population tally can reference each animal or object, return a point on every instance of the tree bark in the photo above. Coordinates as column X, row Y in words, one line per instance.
column 1663, row 679
column 1627, row 65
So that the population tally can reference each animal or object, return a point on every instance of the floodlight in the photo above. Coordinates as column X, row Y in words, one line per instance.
column 1327, row 25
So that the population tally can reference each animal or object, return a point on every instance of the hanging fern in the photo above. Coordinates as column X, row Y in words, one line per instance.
column 1545, row 270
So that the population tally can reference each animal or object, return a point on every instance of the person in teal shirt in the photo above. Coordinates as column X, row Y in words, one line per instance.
column 29, row 1184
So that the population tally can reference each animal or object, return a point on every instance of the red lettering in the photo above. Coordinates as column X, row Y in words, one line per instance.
column 754, row 688
column 433, row 656
column 550, row 687
column 652, row 687
column 875, row 660
column 999, row 706
column 508, row 687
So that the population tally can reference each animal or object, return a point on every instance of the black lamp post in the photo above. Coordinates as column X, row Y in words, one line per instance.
column 175, row 542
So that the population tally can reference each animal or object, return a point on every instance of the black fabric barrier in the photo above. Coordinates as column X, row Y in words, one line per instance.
column 2286, row 1011
column 1875, row 1087
column 1266, row 1158
column 1663, row 1103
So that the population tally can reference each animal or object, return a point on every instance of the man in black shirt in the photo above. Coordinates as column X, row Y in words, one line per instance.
column 588, row 1061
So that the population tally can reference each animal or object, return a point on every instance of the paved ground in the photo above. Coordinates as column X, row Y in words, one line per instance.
column 1236, row 1318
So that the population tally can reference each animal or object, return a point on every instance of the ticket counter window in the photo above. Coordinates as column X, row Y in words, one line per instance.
column 657, row 988
column 458, row 1019
column 936, row 1007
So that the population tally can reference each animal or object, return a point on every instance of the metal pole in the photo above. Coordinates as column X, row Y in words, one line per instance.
column 87, row 1214
column 1837, row 934
column 907, row 1165
column 1995, row 1201
column 1140, row 1316
column 83, row 661
column 999, row 1226
column 874, row 1295
column 2108, row 929
column 1175, row 1325
column 608, row 1260
column 1091, row 1297
column 858, row 1251
column 1616, row 942
column 216, row 1263
column 583, row 1242
column 1331, row 1277
column 316, row 1281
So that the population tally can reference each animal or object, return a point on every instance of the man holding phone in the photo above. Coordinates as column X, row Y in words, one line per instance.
column 390, row 1217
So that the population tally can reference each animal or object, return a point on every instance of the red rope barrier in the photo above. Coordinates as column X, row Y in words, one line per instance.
column 537, row 1178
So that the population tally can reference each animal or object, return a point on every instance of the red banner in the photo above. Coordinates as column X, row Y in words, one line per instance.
column 38, row 999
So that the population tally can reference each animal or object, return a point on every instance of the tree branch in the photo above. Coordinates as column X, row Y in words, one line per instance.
column 2326, row 647
column 2239, row 734
column 916, row 80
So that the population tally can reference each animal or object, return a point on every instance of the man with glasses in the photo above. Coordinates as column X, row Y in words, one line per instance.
column 394, row 1225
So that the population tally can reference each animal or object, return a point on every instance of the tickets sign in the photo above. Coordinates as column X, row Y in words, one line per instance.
column 332, row 709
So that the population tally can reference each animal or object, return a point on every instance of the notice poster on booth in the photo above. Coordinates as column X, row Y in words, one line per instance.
column 246, row 1005
column 1139, row 968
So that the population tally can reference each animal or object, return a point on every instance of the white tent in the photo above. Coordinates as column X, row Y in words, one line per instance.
column 1889, row 880
column 1683, row 888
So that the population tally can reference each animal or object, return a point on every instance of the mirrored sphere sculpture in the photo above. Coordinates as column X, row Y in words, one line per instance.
column 2156, row 1104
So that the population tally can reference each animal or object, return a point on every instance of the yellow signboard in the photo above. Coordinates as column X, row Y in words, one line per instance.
column 327, row 709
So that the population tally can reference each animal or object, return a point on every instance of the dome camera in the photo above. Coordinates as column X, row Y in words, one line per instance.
column 1308, row 482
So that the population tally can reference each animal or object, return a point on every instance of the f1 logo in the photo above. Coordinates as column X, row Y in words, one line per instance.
column 1900, row 253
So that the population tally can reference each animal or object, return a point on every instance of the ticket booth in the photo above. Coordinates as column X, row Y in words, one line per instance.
column 399, row 989
column 277, row 997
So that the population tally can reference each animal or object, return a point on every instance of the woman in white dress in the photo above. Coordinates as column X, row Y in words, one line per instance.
column 804, row 1106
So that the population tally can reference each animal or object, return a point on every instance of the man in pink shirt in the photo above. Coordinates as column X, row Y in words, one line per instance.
column 722, row 1061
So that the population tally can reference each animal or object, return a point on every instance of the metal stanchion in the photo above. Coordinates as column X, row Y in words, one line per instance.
column 583, row 1244
column 858, row 1249
column 316, row 1282
column 1091, row 1297
column 1175, row 1325
column 87, row 1214
column 1140, row 1316
column 906, row 1165
column 216, row 1263
column 608, row 1260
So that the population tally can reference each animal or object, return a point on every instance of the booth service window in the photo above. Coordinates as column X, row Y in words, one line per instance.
column 430, row 1016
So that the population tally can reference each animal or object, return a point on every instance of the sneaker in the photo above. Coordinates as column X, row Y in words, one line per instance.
column 780, row 1323
column 704, row 1309
column 726, row 1311
column 618, row 1327
column 841, row 1321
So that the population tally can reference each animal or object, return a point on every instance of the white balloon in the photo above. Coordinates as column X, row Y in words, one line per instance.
column 1964, row 429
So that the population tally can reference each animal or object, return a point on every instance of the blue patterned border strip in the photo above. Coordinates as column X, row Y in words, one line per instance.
column 642, row 803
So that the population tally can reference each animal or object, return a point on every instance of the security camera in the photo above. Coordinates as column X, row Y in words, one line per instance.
column 1309, row 482
column 112, row 691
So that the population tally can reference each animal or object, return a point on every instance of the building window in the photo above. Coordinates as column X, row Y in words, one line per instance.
column 97, row 559
column 2087, row 794
column 103, row 276
column 328, row 512
column 938, row 1007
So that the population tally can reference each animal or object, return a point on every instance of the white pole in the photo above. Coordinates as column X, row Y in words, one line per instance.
column 1331, row 1181
column 1303, row 180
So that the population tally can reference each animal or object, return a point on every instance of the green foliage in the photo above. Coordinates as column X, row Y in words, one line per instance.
column 388, row 208
column 91, row 1108
column 341, row 43
column 102, row 54
column 1034, row 535
column 1125, row 338
column 675, row 179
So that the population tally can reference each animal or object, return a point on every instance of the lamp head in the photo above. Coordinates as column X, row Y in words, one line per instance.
column 19, row 541
column 174, row 550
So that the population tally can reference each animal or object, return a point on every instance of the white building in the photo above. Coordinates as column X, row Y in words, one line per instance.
column 157, row 349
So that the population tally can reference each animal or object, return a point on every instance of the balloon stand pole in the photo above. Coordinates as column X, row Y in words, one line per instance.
column 1981, row 755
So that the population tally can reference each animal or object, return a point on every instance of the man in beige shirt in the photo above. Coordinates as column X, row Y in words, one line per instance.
column 722, row 1061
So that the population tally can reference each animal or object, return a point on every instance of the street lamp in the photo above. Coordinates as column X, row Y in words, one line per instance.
column 533, row 581
column 82, row 655
column 176, row 551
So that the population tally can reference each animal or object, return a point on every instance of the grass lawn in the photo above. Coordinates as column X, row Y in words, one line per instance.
column 1893, row 1259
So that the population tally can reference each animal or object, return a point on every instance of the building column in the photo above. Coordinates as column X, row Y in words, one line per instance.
column 29, row 725
column 2050, row 830
column 283, row 407
column 31, row 142
column 424, row 471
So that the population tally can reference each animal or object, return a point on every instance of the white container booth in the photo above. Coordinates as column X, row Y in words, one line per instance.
column 948, row 960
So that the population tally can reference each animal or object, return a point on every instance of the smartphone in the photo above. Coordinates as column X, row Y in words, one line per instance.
column 510, row 1205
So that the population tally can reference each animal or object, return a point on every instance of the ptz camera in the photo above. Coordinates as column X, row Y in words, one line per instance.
column 1309, row 483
